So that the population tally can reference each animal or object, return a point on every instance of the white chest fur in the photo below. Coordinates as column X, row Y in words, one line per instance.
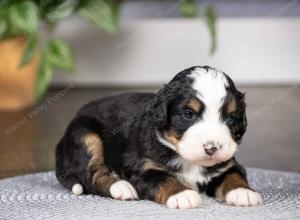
column 192, row 174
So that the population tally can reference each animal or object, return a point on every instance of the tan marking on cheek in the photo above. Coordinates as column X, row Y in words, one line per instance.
column 231, row 107
column 172, row 137
column 194, row 104
column 151, row 165
column 231, row 181
column 102, row 178
column 169, row 187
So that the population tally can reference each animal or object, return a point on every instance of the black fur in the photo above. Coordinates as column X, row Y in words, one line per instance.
column 127, row 125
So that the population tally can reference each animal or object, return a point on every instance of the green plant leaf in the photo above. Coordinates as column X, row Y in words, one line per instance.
column 24, row 17
column 3, row 26
column 210, row 17
column 60, row 11
column 101, row 13
column 60, row 55
column 30, row 49
column 189, row 8
column 44, row 78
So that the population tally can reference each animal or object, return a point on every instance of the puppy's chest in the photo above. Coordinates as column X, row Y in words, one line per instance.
column 194, row 176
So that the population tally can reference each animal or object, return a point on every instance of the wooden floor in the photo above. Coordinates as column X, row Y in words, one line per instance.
column 28, row 138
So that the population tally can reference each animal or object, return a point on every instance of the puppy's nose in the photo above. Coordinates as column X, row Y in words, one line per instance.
column 210, row 148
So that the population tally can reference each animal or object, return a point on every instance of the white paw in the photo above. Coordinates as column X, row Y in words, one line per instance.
column 243, row 197
column 186, row 199
column 123, row 190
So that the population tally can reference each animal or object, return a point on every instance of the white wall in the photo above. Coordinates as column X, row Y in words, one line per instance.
column 149, row 52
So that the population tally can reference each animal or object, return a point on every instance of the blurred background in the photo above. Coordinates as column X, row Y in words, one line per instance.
column 58, row 55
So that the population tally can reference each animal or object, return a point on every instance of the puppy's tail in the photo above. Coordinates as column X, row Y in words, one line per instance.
column 77, row 189
column 69, row 181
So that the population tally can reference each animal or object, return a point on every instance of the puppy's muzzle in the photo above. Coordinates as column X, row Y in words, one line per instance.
column 211, row 147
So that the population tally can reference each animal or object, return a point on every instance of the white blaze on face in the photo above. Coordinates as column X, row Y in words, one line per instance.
column 210, row 87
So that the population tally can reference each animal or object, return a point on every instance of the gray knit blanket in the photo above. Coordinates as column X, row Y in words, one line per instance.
column 39, row 196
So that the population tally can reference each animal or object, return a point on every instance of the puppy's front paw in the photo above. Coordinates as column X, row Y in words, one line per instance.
column 243, row 197
column 186, row 199
column 123, row 190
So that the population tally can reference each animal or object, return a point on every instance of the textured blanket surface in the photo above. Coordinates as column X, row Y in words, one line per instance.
column 39, row 196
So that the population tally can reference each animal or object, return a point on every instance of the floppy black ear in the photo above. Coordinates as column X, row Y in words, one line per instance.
column 245, row 121
column 241, row 129
column 158, row 108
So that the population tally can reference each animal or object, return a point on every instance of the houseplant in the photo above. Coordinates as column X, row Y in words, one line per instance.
column 28, row 56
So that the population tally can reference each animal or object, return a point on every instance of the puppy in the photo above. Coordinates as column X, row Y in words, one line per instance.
column 167, row 147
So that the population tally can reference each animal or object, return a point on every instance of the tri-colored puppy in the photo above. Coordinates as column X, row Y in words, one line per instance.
column 167, row 147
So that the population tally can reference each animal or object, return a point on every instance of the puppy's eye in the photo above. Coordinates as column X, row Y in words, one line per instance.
column 188, row 114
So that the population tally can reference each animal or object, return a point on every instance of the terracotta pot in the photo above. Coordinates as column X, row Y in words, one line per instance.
column 16, row 84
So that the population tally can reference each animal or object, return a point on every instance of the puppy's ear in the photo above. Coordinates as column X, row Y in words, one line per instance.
column 243, row 118
column 245, row 121
column 158, row 108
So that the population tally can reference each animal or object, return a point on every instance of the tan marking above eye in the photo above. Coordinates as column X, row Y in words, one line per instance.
column 231, row 106
column 194, row 104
